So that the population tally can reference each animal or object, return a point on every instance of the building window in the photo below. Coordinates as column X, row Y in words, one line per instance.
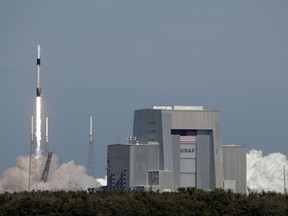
column 151, row 122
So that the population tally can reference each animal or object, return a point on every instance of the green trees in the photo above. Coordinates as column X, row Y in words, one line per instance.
column 190, row 201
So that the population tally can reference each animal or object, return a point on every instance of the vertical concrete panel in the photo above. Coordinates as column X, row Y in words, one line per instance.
column 176, row 161
column 145, row 157
column 167, row 141
column 234, row 157
column 204, row 161
column 188, row 166
column 187, row 180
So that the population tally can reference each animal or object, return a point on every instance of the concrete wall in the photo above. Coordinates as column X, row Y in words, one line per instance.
column 134, row 159
column 205, row 160
column 203, row 120
column 118, row 159
column 156, row 125
column 234, row 157
column 143, row 157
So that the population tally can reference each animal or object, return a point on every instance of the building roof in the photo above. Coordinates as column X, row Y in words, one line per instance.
column 178, row 107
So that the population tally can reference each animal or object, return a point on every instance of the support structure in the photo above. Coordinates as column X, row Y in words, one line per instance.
column 121, row 182
column 91, row 159
column 47, row 167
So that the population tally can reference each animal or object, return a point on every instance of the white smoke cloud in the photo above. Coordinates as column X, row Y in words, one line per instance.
column 266, row 172
column 263, row 173
column 67, row 176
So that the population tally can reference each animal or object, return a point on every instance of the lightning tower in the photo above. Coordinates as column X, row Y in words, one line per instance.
column 32, row 160
column 91, row 159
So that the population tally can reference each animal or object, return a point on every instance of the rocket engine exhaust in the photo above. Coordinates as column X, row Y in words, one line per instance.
column 38, row 125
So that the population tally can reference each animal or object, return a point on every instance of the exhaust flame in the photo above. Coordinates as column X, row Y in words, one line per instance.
column 38, row 126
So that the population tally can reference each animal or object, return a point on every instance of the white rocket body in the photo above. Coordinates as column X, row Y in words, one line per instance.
column 38, row 88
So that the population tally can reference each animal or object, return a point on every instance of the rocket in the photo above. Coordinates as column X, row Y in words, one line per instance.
column 38, row 88
column 91, row 131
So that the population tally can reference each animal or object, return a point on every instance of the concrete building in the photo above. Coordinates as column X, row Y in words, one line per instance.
column 136, row 166
column 234, row 166
column 175, row 146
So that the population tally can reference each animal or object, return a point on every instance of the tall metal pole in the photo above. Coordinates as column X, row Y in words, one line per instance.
column 32, row 159
column 285, row 190
column 166, row 98
column 91, row 160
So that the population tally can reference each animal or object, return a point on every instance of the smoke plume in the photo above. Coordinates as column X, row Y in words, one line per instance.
column 68, row 176
column 266, row 172
column 263, row 173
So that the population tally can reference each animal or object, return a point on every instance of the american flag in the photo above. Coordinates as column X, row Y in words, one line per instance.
column 189, row 137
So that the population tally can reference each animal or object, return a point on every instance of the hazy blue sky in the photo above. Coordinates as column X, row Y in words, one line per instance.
column 109, row 58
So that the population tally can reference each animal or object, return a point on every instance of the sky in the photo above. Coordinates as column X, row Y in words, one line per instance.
column 109, row 58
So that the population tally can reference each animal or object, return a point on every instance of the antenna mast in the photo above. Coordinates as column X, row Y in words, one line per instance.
column 91, row 159
column 166, row 98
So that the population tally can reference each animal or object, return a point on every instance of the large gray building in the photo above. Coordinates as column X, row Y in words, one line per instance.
column 175, row 146
column 234, row 167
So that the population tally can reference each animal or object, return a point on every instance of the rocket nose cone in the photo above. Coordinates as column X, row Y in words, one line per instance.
column 38, row 47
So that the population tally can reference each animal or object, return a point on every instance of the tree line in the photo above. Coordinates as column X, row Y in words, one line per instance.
column 190, row 201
